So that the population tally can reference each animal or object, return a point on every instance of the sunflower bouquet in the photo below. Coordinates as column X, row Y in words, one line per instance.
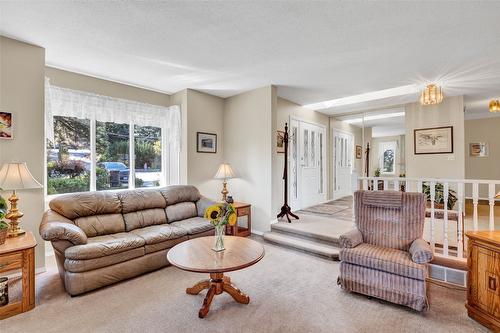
column 220, row 215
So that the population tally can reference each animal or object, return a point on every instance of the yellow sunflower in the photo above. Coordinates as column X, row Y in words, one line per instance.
column 232, row 219
column 213, row 213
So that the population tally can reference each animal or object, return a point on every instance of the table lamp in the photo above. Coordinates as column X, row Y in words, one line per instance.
column 16, row 176
column 225, row 172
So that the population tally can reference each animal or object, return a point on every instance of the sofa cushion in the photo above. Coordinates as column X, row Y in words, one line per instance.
column 98, row 225
column 384, row 259
column 159, row 233
column 194, row 225
column 181, row 211
column 76, row 265
column 102, row 246
column 83, row 204
column 150, row 248
column 136, row 200
column 180, row 193
column 144, row 218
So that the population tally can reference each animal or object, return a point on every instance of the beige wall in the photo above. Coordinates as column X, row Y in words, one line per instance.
column 248, row 146
column 482, row 130
column 449, row 113
column 205, row 113
column 284, row 110
column 22, row 69
column 94, row 85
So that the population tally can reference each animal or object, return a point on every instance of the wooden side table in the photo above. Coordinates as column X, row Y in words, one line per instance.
column 19, row 253
column 483, row 285
column 242, row 209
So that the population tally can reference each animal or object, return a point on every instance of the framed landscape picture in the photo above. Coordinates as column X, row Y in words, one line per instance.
column 6, row 125
column 206, row 142
column 359, row 152
column 280, row 145
column 479, row 149
column 436, row 140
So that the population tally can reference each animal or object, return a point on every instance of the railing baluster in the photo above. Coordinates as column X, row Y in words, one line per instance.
column 396, row 185
column 491, row 199
column 365, row 184
column 419, row 186
column 433, row 197
column 407, row 186
column 385, row 184
column 445, row 225
column 460, row 244
column 475, row 201
column 375, row 184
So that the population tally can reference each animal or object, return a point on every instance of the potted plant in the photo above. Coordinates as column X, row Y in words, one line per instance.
column 439, row 196
column 4, row 226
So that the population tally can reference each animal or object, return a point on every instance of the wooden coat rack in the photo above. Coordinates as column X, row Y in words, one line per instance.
column 285, row 209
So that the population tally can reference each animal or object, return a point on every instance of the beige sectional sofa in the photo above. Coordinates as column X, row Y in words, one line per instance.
column 100, row 238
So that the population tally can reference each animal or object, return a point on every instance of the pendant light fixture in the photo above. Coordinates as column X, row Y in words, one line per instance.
column 431, row 95
column 494, row 105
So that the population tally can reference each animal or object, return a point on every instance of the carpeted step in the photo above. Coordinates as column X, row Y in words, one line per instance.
column 319, row 236
column 302, row 244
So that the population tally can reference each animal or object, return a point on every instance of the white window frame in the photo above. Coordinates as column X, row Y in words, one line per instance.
column 384, row 146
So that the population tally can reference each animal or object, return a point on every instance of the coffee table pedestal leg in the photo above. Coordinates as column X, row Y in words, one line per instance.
column 216, row 285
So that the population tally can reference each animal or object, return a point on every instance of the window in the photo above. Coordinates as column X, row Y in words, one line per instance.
column 387, row 157
column 101, row 143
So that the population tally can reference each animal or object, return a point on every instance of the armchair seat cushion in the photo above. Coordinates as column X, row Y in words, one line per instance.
column 101, row 246
column 159, row 233
column 194, row 225
column 384, row 259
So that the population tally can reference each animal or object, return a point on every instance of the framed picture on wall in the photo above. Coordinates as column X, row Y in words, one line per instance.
column 478, row 149
column 206, row 142
column 436, row 140
column 6, row 126
column 280, row 145
column 359, row 152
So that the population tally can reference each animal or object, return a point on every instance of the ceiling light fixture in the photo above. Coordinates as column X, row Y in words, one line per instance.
column 431, row 95
column 370, row 96
column 494, row 105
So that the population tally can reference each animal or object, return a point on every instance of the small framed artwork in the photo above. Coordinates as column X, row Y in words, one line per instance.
column 436, row 140
column 6, row 125
column 280, row 144
column 359, row 152
column 206, row 142
column 478, row 149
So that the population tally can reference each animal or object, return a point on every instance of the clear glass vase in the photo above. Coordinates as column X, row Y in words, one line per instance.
column 220, row 230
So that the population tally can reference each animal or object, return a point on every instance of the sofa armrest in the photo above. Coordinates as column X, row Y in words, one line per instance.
column 421, row 251
column 55, row 227
column 202, row 204
column 351, row 239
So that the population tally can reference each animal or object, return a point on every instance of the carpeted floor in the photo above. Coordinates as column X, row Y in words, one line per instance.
column 340, row 209
column 289, row 291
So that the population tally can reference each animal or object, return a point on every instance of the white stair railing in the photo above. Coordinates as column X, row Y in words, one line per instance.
column 440, row 192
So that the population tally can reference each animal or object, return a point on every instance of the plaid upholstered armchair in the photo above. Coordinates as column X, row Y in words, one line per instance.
column 385, row 256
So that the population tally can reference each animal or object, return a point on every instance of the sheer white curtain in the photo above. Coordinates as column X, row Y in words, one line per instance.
column 74, row 103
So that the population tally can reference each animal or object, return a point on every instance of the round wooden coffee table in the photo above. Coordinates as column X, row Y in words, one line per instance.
column 196, row 255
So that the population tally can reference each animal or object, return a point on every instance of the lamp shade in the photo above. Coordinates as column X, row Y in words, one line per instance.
column 225, row 172
column 16, row 176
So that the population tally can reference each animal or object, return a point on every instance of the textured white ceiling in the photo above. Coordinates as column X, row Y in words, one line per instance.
column 313, row 51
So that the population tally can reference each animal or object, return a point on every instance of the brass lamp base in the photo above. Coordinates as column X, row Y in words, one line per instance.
column 14, row 215
column 224, row 191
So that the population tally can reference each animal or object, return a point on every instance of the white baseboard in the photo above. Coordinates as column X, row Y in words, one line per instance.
column 257, row 232
column 274, row 221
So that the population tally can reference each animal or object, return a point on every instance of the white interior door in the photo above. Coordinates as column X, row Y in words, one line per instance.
column 310, row 175
column 343, row 151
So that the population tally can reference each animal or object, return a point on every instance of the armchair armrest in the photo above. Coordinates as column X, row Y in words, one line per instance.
column 351, row 239
column 202, row 204
column 55, row 227
column 421, row 251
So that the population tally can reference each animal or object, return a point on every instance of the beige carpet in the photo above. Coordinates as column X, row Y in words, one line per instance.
column 290, row 292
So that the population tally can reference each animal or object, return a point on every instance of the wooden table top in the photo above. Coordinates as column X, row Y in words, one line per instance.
column 23, row 242
column 196, row 255
column 486, row 236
